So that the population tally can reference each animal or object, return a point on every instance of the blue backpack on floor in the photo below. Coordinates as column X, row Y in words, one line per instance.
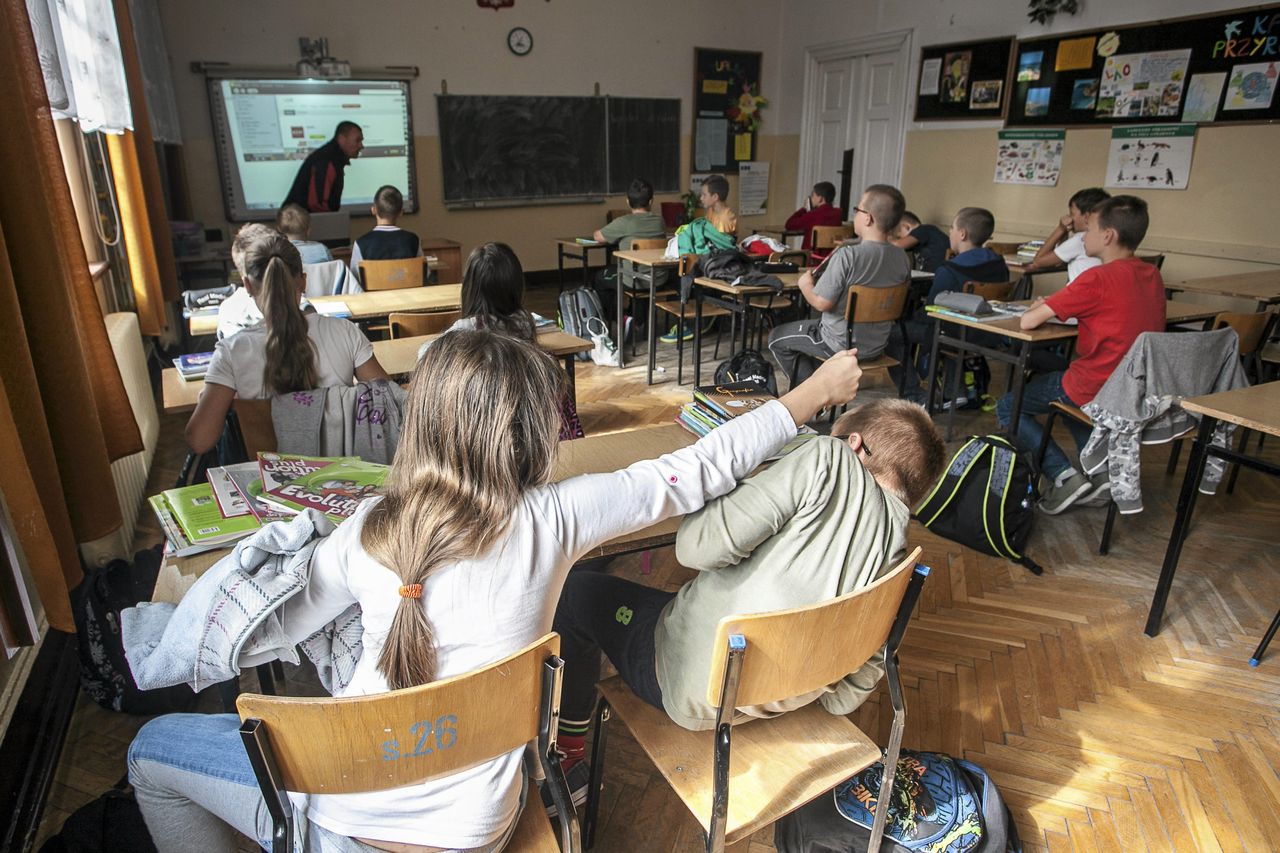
column 940, row 805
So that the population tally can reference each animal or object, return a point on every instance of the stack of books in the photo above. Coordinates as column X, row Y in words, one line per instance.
column 194, row 365
column 713, row 405
column 1027, row 251
column 239, row 499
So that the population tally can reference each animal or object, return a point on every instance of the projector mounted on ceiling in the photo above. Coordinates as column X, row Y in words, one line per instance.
column 316, row 61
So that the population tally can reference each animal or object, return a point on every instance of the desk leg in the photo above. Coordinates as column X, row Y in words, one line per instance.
column 650, row 332
column 560, row 264
column 1019, row 386
column 573, row 383
column 697, row 336
column 1181, row 521
column 933, row 369
column 621, row 327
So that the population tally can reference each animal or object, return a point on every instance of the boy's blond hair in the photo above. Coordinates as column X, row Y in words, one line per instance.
column 293, row 221
column 905, row 451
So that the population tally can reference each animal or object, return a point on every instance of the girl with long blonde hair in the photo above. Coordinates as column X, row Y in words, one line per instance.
column 459, row 564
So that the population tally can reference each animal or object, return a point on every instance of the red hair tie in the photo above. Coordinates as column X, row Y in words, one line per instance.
column 411, row 590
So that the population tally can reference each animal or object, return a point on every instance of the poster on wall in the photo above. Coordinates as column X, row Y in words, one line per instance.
column 1252, row 86
column 753, row 187
column 1143, row 84
column 1152, row 157
column 1030, row 157
column 727, row 105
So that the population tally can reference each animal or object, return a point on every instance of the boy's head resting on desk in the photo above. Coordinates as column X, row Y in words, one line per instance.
column 878, row 212
column 388, row 204
column 971, row 229
column 493, row 291
column 1082, row 203
column 1116, row 228
column 898, row 444
column 640, row 195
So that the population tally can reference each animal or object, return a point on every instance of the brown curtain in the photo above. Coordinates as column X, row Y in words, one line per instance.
column 62, row 389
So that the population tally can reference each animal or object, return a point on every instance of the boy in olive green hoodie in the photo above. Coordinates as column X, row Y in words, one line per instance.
column 826, row 519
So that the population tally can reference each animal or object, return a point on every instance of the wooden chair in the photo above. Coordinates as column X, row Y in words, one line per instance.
column 1156, row 261
column 631, row 296
column 737, row 779
column 1253, row 331
column 257, row 432
column 1003, row 249
column 406, row 737
column 764, row 306
column 616, row 213
column 391, row 275
column 408, row 324
column 998, row 291
column 676, row 309
column 823, row 238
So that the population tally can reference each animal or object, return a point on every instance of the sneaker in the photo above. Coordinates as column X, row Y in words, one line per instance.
column 579, row 779
column 1062, row 495
column 627, row 323
column 676, row 334
column 1099, row 493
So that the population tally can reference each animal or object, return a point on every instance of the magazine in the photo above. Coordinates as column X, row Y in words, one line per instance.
column 335, row 490
column 248, row 483
column 730, row 399
column 194, row 365
column 276, row 469
column 194, row 512
column 230, row 501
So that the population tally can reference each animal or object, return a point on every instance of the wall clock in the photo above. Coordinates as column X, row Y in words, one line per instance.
column 520, row 41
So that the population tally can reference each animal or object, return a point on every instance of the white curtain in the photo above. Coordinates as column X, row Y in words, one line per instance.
column 157, row 79
column 79, row 51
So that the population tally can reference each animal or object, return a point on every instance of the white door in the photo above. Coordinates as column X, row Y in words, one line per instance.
column 831, row 127
column 875, row 124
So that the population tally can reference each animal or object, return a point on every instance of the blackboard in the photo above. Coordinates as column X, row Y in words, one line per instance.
column 726, row 101
column 512, row 149
column 1215, row 68
column 644, row 141
column 964, row 80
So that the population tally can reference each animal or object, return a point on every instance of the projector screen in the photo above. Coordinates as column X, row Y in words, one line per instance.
column 265, row 128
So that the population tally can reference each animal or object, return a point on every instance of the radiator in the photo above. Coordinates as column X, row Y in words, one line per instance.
column 130, row 473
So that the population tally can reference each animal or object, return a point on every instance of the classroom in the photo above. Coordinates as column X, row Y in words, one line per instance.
column 558, row 425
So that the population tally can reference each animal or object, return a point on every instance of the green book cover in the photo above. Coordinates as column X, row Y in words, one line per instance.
column 197, row 512
column 335, row 490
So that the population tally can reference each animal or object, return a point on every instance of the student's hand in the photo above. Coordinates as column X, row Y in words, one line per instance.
column 834, row 382
column 1036, row 303
column 1065, row 222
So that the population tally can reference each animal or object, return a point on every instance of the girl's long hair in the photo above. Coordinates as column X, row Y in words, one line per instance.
column 493, row 291
column 482, row 425
column 272, row 269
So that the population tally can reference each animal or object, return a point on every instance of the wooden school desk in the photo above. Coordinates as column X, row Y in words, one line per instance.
column 952, row 331
column 591, row 455
column 397, row 356
column 1262, row 287
column 577, row 250
column 1256, row 408
column 781, row 230
column 370, row 305
column 735, row 298
column 644, row 262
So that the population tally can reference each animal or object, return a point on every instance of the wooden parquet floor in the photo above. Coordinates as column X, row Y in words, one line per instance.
column 1100, row 738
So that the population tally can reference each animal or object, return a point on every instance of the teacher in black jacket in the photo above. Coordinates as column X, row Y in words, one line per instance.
column 318, row 185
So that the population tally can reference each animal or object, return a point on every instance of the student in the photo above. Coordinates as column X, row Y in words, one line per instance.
column 817, row 211
column 459, row 564
column 972, row 261
column 287, row 351
column 238, row 311
column 387, row 241
column 1065, row 245
column 824, row 520
column 717, row 229
column 926, row 242
column 873, row 261
column 294, row 222
column 640, row 223
column 1113, row 303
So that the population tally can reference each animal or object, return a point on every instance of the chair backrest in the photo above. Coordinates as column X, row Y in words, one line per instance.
column 825, row 236
column 998, row 290
column 405, row 324
column 1156, row 261
column 1003, row 248
column 325, row 279
column 866, row 304
column 615, row 213
column 257, row 430
column 392, row 275
column 642, row 243
column 389, row 740
column 1250, row 328
column 794, row 652
column 687, row 261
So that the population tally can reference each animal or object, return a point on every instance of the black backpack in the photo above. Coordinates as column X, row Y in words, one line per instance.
column 747, row 365
column 104, row 672
column 985, row 499
column 111, row 822
column 725, row 264
column 940, row 805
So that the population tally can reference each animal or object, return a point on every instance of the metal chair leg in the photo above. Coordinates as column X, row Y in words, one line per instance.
column 597, row 774
column 1105, row 545
column 890, row 773
column 1235, row 466
column 1173, row 456
column 1044, row 439
column 1266, row 641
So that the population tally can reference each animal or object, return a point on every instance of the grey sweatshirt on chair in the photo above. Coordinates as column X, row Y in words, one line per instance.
column 1139, row 404
column 358, row 420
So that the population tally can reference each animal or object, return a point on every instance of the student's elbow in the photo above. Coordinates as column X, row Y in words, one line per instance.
column 200, row 436
column 598, row 236
column 821, row 303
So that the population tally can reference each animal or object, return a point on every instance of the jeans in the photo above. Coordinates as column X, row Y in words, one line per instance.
column 599, row 612
column 194, row 785
column 1042, row 390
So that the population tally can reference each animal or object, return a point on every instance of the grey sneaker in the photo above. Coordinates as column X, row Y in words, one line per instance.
column 1099, row 493
column 579, row 781
column 1059, row 497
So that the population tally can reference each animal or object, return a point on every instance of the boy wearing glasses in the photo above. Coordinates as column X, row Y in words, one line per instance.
column 872, row 261
column 824, row 520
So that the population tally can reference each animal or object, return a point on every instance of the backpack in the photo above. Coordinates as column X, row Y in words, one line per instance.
column 985, row 499
column 111, row 822
column 578, row 306
column 940, row 805
column 104, row 671
column 725, row 264
column 747, row 365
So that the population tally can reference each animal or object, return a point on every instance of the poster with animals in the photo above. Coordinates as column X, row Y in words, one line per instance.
column 1030, row 157
column 1152, row 157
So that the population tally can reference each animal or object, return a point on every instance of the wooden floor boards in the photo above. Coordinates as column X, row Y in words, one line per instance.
column 1099, row 737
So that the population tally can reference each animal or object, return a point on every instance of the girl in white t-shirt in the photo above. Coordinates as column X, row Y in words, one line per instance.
column 287, row 351
column 459, row 564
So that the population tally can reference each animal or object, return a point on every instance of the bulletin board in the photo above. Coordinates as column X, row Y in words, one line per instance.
column 1219, row 68
column 965, row 80
column 726, row 108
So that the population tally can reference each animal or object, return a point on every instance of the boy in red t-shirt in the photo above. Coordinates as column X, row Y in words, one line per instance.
column 817, row 210
column 1113, row 303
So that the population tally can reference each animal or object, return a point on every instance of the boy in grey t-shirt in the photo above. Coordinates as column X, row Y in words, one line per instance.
column 873, row 261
